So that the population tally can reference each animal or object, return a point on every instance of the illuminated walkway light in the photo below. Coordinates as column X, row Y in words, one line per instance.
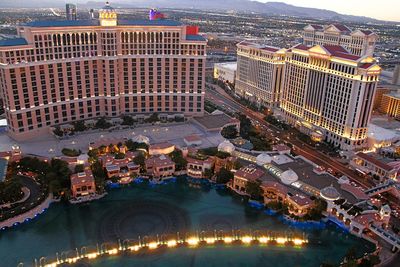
column 192, row 241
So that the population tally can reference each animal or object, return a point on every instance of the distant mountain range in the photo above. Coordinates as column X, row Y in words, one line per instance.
column 269, row 8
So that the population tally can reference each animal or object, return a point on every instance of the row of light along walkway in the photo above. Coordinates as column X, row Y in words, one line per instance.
column 147, row 244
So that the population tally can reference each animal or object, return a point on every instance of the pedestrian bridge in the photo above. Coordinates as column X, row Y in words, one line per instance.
column 382, row 188
column 391, row 238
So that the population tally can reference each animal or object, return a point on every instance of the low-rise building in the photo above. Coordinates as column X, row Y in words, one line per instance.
column 244, row 175
column 298, row 204
column 196, row 168
column 83, row 184
column 160, row 166
column 121, row 168
column 192, row 140
column 369, row 164
column 225, row 71
column 161, row 149
column 281, row 149
column 274, row 191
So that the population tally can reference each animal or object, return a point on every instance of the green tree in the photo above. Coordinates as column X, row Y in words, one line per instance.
column 79, row 168
column 127, row 120
column 70, row 152
column 253, row 188
column 140, row 159
column 223, row 176
column 10, row 191
column 208, row 173
column 119, row 156
column 57, row 131
column 229, row 132
column 133, row 146
column 99, row 174
column 102, row 123
column 153, row 118
column 180, row 161
column 79, row 126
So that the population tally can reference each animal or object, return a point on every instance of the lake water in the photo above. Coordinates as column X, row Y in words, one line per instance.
column 142, row 209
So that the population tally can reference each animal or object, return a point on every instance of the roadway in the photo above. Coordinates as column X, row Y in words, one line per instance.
column 36, row 195
column 222, row 98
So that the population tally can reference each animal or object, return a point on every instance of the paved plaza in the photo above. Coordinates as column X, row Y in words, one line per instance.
column 50, row 146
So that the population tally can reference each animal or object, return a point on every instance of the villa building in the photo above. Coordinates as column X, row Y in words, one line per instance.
column 160, row 166
column 357, row 42
column 124, row 167
column 298, row 204
column 59, row 72
column 83, row 184
column 197, row 168
column 244, row 175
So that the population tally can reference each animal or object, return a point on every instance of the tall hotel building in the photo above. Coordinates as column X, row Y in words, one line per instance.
column 259, row 73
column 357, row 42
column 325, row 87
column 59, row 72
column 328, row 93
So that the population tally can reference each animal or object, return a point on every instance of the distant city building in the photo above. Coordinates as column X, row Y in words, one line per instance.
column 380, row 91
column 71, row 12
column 328, row 91
column 357, row 42
column 390, row 104
column 396, row 75
column 58, row 72
column 225, row 71
column 259, row 73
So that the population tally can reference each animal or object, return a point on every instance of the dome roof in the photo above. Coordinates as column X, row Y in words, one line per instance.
column 263, row 159
column 289, row 177
column 329, row 193
column 226, row 146
column 141, row 139
column 107, row 7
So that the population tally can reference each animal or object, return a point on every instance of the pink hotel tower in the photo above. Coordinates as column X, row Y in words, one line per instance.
column 58, row 72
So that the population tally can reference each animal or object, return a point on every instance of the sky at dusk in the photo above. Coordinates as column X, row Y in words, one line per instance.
column 382, row 9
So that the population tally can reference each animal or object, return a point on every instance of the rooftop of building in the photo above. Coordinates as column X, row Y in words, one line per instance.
column 192, row 138
column 260, row 46
column 82, row 177
column 95, row 22
column 381, row 134
column 250, row 172
column 13, row 42
column 300, row 199
column 163, row 145
column 159, row 161
column 195, row 37
column 214, row 121
column 227, row 65
column 374, row 161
